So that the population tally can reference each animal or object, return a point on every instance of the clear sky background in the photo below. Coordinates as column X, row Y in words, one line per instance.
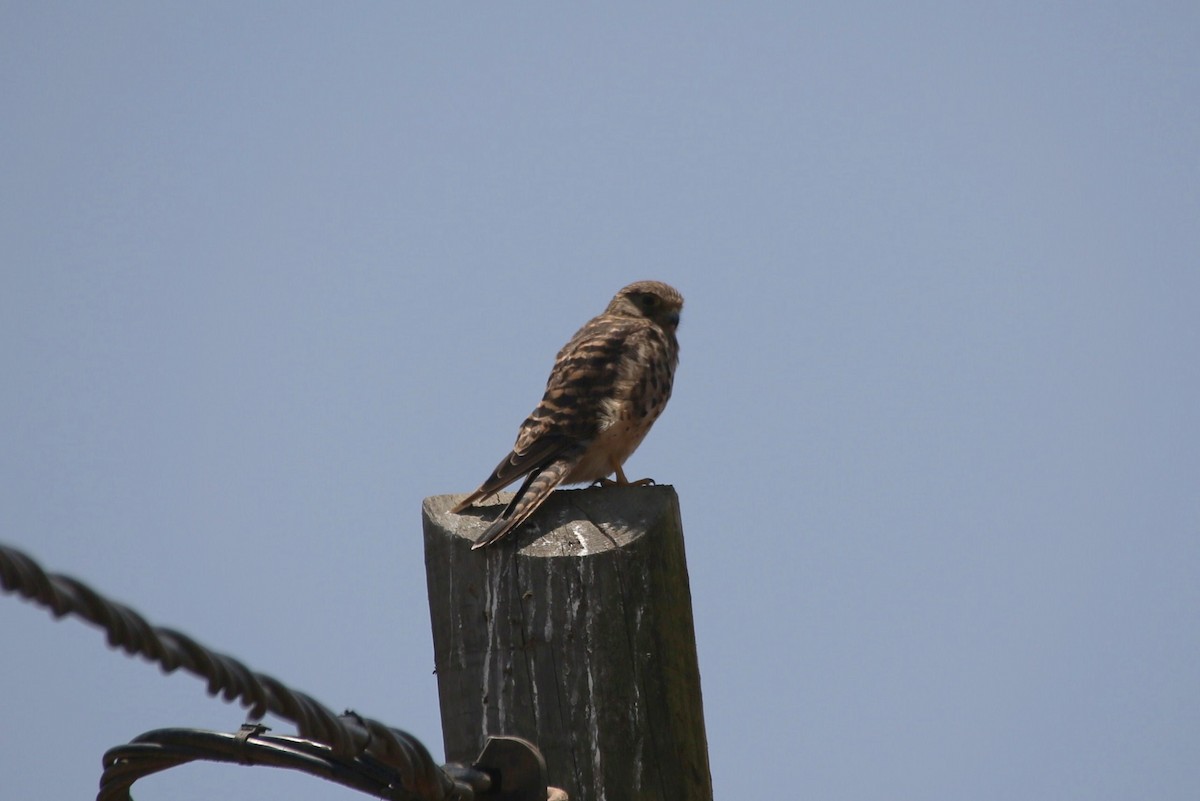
column 274, row 272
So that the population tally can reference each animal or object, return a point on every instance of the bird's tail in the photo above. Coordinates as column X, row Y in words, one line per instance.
column 529, row 497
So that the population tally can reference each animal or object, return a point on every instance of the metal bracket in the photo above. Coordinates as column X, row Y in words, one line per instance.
column 517, row 769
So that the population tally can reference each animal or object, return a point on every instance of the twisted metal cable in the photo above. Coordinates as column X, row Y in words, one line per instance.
column 348, row 736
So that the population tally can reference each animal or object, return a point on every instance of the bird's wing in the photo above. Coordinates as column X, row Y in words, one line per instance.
column 516, row 464
column 582, row 381
column 533, row 493
column 566, row 420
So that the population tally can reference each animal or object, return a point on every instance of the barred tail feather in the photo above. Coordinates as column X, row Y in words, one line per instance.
column 533, row 493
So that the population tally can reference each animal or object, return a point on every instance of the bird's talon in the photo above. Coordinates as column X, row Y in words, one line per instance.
column 608, row 482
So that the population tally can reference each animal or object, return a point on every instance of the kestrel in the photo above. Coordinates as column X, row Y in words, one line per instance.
column 608, row 386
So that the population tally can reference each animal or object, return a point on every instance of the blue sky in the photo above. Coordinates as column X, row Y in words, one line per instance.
column 273, row 273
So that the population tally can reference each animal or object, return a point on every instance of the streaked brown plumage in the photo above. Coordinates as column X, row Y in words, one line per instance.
column 608, row 386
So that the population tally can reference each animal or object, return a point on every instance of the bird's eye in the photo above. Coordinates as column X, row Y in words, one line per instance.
column 649, row 302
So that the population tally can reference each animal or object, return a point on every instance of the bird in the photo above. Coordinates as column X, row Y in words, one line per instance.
column 609, row 384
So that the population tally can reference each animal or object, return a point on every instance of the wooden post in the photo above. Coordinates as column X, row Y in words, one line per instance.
column 575, row 632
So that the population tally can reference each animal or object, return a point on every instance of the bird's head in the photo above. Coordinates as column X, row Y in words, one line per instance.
column 651, row 299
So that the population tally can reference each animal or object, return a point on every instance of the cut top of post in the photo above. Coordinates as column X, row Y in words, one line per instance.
column 570, row 523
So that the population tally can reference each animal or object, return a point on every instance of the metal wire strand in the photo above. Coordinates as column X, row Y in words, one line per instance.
column 349, row 736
